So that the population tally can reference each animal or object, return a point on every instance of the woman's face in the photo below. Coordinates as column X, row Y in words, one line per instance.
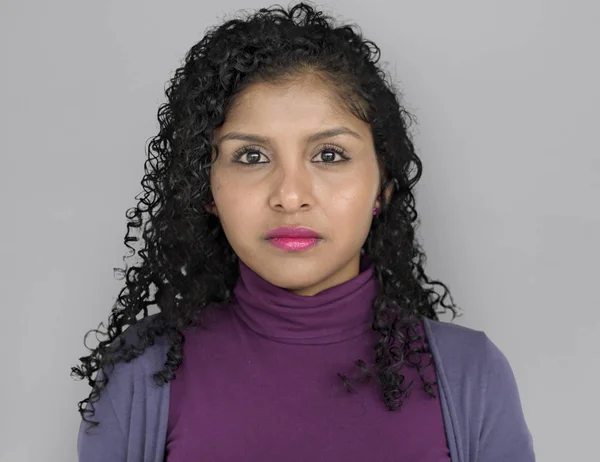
column 279, row 167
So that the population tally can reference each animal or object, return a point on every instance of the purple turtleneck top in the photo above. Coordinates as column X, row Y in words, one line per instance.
column 260, row 383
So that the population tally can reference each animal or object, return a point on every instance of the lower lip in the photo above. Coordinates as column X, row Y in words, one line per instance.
column 294, row 244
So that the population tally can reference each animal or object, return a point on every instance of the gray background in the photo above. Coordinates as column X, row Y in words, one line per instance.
column 507, row 98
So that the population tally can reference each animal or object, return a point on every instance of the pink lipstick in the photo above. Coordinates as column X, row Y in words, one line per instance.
column 293, row 239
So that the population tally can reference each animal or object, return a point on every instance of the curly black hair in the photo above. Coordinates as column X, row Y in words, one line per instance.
column 187, row 262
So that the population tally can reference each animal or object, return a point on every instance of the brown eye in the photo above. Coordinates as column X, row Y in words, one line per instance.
column 328, row 154
column 249, row 155
column 252, row 157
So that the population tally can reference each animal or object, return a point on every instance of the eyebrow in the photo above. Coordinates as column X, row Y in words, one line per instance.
column 314, row 137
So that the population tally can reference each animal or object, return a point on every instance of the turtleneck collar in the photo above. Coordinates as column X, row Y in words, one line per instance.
column 333, row 315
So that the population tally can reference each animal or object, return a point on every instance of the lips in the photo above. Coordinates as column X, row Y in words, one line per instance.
column 294, row 232
column 293, row 239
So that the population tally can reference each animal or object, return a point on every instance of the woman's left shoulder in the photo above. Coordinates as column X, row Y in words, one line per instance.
column 462, row 348
column 483, row 392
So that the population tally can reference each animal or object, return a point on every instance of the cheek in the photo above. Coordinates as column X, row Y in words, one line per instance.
column 237, row 223
column 353, row 197
column 236, row 205
column 239, row 210
column 349, row 215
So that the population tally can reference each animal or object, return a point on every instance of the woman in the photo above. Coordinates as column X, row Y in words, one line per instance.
column 295, row 319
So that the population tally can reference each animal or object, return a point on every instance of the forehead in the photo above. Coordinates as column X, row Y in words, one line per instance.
column 304, row 100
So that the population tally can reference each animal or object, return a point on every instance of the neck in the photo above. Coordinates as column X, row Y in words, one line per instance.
column 332, row 315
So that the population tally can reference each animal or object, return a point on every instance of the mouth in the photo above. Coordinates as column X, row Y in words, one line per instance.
column 293, row 239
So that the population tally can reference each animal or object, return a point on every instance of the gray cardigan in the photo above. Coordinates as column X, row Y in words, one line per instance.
column 481, row 407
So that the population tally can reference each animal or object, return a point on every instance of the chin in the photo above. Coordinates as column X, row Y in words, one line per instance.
column 295, row 276
column 293, row 279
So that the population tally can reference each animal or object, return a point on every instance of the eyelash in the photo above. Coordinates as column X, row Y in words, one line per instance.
column 327, row 148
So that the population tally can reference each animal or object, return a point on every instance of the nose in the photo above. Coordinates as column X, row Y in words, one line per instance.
column 292, row 190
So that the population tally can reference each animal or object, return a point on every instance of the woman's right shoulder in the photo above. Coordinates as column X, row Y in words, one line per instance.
column 153, row 356
column 129, row 406
column 128, row 379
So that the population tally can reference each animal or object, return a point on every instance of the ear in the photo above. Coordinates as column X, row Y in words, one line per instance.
column 211, row 208
column 387, row 196
column 388, row 184
column 389, row 191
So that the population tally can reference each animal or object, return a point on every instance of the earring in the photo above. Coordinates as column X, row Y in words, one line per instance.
column 213, row 203
column 376, row 209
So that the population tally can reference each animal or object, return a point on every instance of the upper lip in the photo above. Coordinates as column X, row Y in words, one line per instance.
column 292, row 231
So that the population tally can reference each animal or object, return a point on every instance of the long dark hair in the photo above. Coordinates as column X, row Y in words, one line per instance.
column 186, row 261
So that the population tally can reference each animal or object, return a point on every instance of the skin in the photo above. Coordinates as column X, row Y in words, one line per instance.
column 297, row 183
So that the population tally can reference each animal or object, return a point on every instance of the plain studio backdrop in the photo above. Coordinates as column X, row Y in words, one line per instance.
column 507, row 98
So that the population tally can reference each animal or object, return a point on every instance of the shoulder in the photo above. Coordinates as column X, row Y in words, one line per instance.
column 481, row 392
column 463, row 349
column 133, row 333
column 468, row 362
column 454, row 335
column 132, row 409
column 149, row 361
column 129, row 381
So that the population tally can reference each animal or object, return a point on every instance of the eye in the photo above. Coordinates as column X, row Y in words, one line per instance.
column 249, row 155
column 328, row 154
